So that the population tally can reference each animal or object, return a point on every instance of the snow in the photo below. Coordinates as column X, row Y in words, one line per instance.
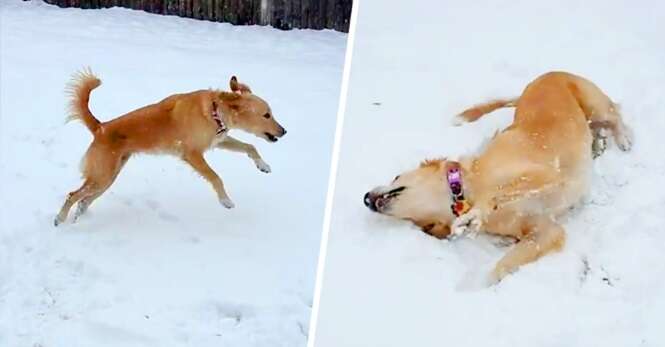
column 158, row 261
column 414, row 67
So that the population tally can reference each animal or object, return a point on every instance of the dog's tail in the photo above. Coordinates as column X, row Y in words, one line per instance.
column 79, row 88
column 474, row 113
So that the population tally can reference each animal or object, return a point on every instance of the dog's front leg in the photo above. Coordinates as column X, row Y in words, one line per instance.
column 543, row 236
column 234, row 145
column 196, row 161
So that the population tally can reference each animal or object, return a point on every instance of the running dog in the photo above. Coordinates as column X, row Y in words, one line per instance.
column 183, row 125
column 527, row 175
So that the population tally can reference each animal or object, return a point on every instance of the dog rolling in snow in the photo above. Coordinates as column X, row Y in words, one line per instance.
column 528, row 175
column 184, row 125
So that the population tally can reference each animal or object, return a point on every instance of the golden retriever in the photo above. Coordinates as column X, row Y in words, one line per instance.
column 527, row 175
column 184, row 125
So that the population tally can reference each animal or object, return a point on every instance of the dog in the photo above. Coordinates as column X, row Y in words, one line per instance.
column 183, row 125
column 529, row 174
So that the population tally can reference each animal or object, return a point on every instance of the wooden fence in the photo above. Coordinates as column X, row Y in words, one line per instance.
column 282, row 14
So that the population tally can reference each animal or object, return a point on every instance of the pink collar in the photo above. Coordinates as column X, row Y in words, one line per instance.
column 460, row 205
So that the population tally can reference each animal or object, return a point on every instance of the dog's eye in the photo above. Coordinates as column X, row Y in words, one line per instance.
column 396, row 178
column 266, row 116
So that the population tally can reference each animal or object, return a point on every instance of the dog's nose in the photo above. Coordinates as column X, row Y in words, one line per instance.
column 369, row 201
column 283, row 131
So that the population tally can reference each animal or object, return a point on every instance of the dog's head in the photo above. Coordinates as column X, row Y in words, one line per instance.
column 251, row 113
column 421, row 196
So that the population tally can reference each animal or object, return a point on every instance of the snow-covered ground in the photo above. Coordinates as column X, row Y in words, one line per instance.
column 387, row 284
column 158, row 261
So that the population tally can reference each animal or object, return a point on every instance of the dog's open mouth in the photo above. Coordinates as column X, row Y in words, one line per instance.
column 270, row 137
column 380, row 202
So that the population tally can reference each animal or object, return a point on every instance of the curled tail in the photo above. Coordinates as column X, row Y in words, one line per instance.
column 474, row 113
column 79, row 88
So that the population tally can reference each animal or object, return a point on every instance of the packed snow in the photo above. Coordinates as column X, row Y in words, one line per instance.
column 157, row 261
column 413, row 68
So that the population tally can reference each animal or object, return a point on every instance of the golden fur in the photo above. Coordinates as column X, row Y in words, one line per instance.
column 180, row 125
column 529, row 174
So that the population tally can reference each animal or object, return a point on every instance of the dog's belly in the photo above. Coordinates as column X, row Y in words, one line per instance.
column 555, row 197
column 540, row 183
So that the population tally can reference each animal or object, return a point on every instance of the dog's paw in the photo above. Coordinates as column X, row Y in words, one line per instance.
column 226, row 202
column 263, row 166
column 493, row 278
column 468, row 223
column 598, row 146
column 624, row 139
column 458, row 120
column 498, row 274
column 57, row 221
column 81, row 209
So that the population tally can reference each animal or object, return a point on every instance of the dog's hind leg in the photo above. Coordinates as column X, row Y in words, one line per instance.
column 88, row 187
column 198, row 163
column 234, row 145
column 611, row 120
column 82, row 206
column 84, row 203
column 542, row 235
column 601, row 113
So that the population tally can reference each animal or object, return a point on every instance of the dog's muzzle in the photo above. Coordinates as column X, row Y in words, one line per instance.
column 378, row 202
column 274, row 138
column 370, row 201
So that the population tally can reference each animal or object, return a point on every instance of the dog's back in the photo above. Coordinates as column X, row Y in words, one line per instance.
column 165, row 126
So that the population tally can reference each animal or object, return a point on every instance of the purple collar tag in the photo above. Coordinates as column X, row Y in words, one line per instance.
column 459, row 206
column 455, row 181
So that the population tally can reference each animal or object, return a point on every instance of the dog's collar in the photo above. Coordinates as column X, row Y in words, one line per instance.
column 221, row 127
column 460, row 205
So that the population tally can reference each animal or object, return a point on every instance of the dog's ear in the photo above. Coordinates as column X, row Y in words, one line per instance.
column 238, row 87
column 226, row 96
column 434, row 163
